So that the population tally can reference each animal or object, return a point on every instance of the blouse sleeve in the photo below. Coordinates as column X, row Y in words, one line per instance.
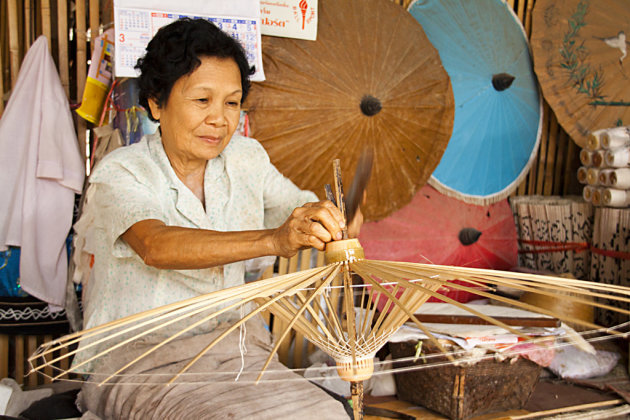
column 121, row 200
column 281, row 196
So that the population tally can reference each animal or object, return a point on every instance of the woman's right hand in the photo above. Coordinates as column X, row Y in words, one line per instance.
column 312, row 225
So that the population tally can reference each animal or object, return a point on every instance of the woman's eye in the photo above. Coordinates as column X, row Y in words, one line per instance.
column 202, row 100
column 233, row 103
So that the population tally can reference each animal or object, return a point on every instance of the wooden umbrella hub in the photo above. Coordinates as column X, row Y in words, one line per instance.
column 347, row 250
column 361, row 370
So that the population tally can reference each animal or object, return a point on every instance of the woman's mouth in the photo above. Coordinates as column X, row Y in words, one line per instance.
column 211, row 139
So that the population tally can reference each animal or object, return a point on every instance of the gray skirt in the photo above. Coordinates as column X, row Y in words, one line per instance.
column 209, row 389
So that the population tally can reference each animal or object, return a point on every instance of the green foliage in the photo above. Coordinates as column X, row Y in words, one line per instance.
column 574, row 54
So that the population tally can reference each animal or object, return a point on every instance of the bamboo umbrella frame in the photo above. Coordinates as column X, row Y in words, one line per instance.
column 311, row 302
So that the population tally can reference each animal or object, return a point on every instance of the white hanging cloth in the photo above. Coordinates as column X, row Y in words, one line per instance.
column 41, row 170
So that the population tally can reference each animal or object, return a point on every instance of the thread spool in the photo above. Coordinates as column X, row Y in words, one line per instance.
column 586, row 157
column 597, row 158
column 587, row 193
column 615, row 198
column 592, row 176
column 604, row 176
column 596, row 197
column 581, row 174
column 593, row 139
column 617, row 158
column 620, row 178
column 615, row 137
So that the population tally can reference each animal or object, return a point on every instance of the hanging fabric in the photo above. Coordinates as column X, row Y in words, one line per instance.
column 42, row 169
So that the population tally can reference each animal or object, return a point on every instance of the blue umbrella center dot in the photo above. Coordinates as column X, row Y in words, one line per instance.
column 502, row 81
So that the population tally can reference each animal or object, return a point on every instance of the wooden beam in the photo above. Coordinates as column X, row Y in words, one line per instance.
column 14, row 41
column 95, row 22
column 81, row 64
column 46, row 28
column 62, row 35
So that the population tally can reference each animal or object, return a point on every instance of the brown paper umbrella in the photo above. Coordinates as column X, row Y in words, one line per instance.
column 371, row 79
column 580, row 50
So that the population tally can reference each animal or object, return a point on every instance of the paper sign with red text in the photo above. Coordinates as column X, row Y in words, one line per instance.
column 289, row 18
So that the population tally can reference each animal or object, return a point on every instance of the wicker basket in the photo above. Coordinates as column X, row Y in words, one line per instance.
column 460, row 392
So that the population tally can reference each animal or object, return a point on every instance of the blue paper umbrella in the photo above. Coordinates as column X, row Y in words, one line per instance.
column 498, row 109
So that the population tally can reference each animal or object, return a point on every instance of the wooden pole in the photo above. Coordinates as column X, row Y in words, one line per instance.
column 356, row 389
column 28, row 23
column 81, row 64
column 62, row 35
column 94, row 22
column 46, row 30
column 14, row 41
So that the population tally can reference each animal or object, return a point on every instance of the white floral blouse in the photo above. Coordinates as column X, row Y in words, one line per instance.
column 243, row 191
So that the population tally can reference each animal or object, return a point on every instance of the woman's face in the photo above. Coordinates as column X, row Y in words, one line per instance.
column 201, row 113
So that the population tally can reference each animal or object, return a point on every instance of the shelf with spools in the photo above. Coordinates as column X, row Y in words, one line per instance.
column 606, row 175
column 605, row 170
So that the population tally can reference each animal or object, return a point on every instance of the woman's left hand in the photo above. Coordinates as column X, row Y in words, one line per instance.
column 312, row 225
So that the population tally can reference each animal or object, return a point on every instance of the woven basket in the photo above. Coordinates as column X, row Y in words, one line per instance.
column 460, row 392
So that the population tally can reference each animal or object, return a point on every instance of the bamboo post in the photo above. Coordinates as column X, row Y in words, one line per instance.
column 48, row 371
column 31, row 346
column 81, row 70
column 528, row 18
column 14, row 41
column 94, row 22
column 520, row 12
column 551, row 155
column 46, row 29
column 542, row 152
column 4, row 355
column 356, row 389
column 62, row 35
column 28, row 23
column 19, row 359
column 560, row 161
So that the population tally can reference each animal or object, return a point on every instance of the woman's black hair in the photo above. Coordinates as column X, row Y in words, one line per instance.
column 175, row 51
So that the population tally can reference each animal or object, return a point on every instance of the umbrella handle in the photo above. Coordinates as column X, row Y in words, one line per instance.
column 329, row 194
column 339, row 195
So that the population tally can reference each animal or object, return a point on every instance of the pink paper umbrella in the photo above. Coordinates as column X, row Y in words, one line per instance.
column 436, row 229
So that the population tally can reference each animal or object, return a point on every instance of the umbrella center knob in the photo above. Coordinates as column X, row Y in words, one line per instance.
column 468, row 236
column 502, row 81
column 370, row 105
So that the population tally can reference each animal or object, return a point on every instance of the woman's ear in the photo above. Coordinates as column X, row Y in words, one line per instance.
column 155, row 108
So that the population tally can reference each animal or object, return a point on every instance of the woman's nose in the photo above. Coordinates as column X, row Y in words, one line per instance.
column 216, row 114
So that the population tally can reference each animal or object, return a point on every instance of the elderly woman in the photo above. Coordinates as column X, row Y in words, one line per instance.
column 176, row 215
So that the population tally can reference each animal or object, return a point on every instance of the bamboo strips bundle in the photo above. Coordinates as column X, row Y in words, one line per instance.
column 610, row 262
column 554, row 233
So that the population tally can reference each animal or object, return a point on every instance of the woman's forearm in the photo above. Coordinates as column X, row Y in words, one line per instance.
column 172, row 247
